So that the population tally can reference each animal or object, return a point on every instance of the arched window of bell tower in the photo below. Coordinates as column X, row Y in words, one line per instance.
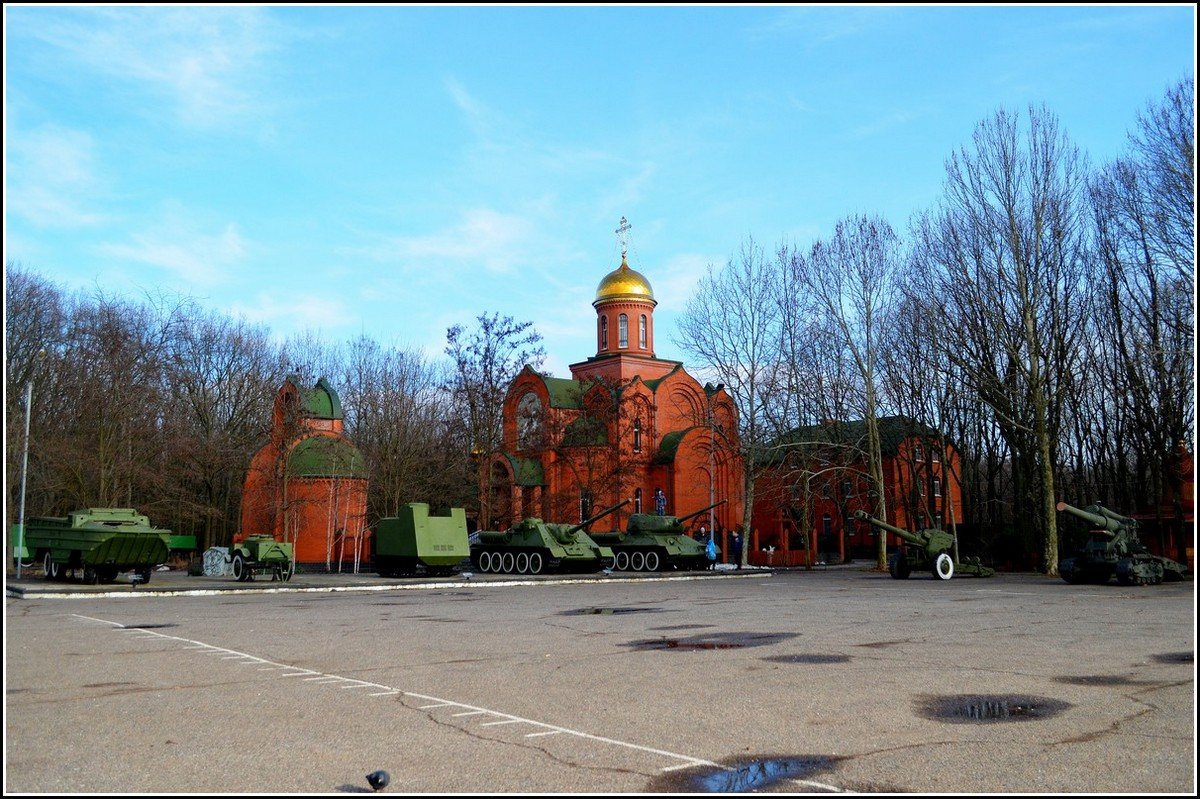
column 603, row 332
column 623, row 331
column 642, row 331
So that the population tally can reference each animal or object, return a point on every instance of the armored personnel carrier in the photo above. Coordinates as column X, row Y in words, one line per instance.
column 534, row 546
column 656, row 543
column 96, row 543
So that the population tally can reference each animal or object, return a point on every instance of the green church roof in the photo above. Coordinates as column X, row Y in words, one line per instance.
column 325, row 456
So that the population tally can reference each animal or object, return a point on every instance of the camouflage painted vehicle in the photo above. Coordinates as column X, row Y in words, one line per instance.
column 929, row 550
column 414, row 542
column 1114, row 547
column 261, row 554
column 656, row 543
column 96, row 543
column 534, row 546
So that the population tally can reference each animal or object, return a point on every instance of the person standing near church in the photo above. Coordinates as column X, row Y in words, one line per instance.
column 735, row 545
column 660, row 502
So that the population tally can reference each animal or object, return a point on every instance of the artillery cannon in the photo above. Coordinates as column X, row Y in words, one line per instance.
column 261, row 554
column 652, row 542
column 927, row 550
column 534, row 545
column 1113, row 547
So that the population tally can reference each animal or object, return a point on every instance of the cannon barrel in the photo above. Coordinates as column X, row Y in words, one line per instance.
column 693, row 515
column 599, row 516
column 1097, row 515
column 891, row 528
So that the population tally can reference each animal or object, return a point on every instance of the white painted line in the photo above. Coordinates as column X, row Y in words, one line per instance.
column 385, row 693
column 471, row 713
column 440, row 704
column 821, row 785
column 497, row 723
column 680, row 766
column 540, row 734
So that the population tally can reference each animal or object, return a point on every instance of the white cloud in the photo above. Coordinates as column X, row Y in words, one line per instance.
column 52, row 180
column 206, row 62
column 198, row 259
column 497, row 241
column 290, row 312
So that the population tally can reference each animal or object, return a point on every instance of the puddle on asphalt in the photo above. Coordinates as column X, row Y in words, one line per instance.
column 989, row 708
column 145, row 626
column 1097, row 679
column 815, row 659
column 608, row 611
column 711, row 641
column 1175, row 657
column 742, row 775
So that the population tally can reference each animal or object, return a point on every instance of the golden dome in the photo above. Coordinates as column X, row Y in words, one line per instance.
column 624, row 283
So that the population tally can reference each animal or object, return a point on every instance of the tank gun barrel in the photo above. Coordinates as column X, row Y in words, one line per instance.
column 599, row 516
column 891, row 528
column 693, row 515
column 1097, row 515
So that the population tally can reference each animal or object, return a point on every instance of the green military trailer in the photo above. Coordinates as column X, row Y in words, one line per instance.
column 415, row 542
column 96, row 543
column 261, row 554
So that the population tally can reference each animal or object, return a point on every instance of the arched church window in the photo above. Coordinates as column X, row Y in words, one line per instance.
column 637, row 435
column 603, row 333
column 642, row 331
column 622, row 331
column 529, row 421
column 637, row 501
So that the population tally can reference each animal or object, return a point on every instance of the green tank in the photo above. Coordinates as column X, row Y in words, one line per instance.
column 97, row 543
column 656, row 543
column 929, row 550
column 260, row 554
column 415, row 542
column 1114, row 547
column 535, row 546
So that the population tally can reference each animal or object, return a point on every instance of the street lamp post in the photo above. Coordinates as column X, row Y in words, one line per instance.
column 20, row 544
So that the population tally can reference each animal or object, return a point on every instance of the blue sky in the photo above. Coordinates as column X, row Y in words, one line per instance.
column 396, row 170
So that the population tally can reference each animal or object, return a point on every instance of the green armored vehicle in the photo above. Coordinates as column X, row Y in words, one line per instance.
column 415, row 541
column 99, row 543
column 1113, row 547
column 534, row 546
column 928, row 550
column 653, row 543
column 262, row 554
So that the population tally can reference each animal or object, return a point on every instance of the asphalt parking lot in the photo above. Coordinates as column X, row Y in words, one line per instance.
column 823, row 681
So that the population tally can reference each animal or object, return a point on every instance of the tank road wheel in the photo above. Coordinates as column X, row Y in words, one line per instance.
column 241, row 572
column 522, row 562
column 535, row 563
column 651, row 561
column 943, row 567
column 50, row 567
column 506, row 562
column 90, row 575
column 145, row 574
column 638, row 561
column 622, row 561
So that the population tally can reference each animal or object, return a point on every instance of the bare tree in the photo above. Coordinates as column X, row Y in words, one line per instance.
column 730, row 324
column 1002, row 257
column 485, row 361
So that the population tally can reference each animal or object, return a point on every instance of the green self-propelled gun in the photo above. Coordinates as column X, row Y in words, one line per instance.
column 534, row 546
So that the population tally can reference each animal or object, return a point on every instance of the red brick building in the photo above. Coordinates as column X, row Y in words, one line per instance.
column 625, row 425
column 308, row 483
column 806, row 497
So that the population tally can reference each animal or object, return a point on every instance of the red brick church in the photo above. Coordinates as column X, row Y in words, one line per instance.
column 625, row 425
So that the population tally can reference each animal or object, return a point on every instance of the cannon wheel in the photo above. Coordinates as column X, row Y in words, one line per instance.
column 287, row 571
column 90, row 575
column 145, row 574
column 240, row 572
column 898, row 567
column 943, row 567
